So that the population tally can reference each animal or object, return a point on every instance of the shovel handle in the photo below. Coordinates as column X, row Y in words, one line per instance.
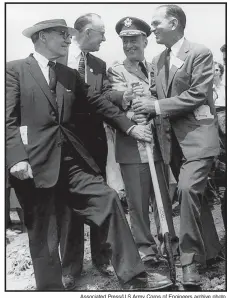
column 160, row 207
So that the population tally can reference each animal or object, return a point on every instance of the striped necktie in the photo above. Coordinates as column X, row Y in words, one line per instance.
column 81, row 66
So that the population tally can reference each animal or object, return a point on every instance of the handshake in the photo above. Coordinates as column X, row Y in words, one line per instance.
column 143, row 108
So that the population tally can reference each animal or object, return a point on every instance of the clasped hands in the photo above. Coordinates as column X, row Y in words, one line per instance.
column 142, row 103
column 142, row 106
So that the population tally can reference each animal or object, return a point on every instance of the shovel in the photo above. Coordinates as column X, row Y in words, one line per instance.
column 161, row 212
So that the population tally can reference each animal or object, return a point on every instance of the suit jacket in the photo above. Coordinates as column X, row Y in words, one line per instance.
column 128, row 150
column 94, row 135
column 188, row 100
column 30, row 104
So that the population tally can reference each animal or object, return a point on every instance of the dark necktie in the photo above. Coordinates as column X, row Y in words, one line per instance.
column 143, row 69
column 52, row 76
column 81, row 66
column 167, row 63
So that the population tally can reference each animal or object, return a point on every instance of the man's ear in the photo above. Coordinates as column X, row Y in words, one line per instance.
column 87, row 32
column 175, row 23
column 146, row 42
column 42, row 36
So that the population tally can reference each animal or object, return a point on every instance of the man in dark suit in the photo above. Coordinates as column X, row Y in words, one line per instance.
column 90, row 34
column 48, row 162
column 184, row 74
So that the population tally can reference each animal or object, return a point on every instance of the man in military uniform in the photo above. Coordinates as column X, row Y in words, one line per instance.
column 130, row 154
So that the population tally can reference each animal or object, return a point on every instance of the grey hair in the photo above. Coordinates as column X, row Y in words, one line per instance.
column 84, row 20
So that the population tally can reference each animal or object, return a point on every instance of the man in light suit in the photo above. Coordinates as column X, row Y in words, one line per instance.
column 132, row 155
column 49, row 163
column 183, row 75
column 90, row 33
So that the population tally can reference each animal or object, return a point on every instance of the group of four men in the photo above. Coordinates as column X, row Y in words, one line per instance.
column 56, row 147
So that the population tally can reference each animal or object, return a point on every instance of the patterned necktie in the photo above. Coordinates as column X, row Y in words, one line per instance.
column 52, row 76
column 81, row 66
column 143, row 69
column 167, row 63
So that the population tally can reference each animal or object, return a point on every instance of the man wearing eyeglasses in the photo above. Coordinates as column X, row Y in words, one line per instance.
column 90, row 34
column 48, row 162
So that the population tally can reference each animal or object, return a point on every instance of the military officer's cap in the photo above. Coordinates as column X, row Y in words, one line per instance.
column 130, row 26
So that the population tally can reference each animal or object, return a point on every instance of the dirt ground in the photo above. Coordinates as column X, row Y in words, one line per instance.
column 20, row 276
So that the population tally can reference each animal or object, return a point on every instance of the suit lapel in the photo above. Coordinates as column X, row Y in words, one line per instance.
column 172, row 72
column 60, row 95
column 134, row 70
column 160, row 76
column 40, row 79
column 182, row 54
column 91, row 77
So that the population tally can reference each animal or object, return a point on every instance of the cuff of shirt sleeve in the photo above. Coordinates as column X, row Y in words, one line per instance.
column 129, row 130
column 130, row 114
column 157, row 107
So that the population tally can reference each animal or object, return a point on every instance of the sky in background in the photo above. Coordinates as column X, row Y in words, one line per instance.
column 205, row 25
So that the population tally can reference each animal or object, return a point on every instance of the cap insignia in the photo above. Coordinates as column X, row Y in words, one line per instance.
column 128, row 22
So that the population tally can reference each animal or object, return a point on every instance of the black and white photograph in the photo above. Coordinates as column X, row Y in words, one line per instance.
column 115, row 147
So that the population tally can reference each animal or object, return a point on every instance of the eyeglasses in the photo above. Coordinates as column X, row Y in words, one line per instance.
column 63, row 33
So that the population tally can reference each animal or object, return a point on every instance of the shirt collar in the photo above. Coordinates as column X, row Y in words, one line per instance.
column 41, row 59
column 74, row 49
column 177, row 46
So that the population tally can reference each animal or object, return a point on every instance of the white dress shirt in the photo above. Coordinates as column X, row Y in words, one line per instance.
column 43, row 64
column 175, row 50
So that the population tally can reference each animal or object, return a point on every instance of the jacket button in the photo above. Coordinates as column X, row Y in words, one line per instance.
column 59, row 144
column 168, row 129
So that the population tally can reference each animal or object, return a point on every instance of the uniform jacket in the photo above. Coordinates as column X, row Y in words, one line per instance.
column 30, row 104
column 128, row 150
column 188, row 101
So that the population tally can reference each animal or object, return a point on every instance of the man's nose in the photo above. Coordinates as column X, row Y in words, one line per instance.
column 128, row 44
column 103, row 38
column 153, row 29
column 68, row 39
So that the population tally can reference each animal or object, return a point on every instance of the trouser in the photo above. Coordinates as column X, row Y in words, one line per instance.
column 72, row 244
column 138, row 185
column 198, row 237
column 91, row 199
